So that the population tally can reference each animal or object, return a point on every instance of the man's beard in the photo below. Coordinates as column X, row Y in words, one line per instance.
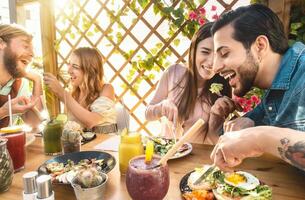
column 10, row 63
column 247, row 72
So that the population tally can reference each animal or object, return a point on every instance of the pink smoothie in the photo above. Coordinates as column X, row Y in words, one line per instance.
column 144, row 183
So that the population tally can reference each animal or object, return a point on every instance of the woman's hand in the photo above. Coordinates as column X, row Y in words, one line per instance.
column 170, row 110
column 51, row 82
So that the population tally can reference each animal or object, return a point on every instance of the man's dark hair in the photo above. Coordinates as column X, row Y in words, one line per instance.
column 251, row 21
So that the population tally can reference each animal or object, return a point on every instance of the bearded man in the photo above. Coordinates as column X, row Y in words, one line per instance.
column 16, row 52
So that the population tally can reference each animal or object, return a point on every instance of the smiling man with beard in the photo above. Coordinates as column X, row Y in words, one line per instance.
column 16, row 52
column 251, row 49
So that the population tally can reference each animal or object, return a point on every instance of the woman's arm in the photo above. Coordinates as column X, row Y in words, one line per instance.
column 86, row 117
column 154, row 108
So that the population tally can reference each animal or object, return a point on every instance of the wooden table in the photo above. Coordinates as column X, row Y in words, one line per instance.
column 286, row 181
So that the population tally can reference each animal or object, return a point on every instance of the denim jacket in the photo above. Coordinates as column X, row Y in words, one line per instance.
column 283, row 104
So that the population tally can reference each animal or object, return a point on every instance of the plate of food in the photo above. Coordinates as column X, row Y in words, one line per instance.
column 162, row 145
column 64, row 168
column 223, row 186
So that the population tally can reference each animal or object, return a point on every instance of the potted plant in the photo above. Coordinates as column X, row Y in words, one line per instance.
column 89, row 182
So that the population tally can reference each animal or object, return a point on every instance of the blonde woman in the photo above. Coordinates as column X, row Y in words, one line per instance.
column 91, row 102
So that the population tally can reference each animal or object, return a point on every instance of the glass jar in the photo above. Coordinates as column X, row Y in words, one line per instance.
column 130, row 146
column 6, row 167
column 52, row 137
column 70, row 147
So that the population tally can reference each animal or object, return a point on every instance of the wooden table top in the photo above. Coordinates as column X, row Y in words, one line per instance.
column 287, row 182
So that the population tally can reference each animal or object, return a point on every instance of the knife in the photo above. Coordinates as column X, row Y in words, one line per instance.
column 205, row 174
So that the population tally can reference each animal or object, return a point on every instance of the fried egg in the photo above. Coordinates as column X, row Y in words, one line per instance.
column 203, row 185
column 242, row 180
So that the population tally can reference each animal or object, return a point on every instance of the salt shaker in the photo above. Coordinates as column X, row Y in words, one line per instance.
column 30, row 186
column 44, row 188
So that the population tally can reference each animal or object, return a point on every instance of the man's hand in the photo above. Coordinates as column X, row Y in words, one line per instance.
column 223, row 106
column 238, row 124
column 19, row 105
column 51, row 82
column 233, row 147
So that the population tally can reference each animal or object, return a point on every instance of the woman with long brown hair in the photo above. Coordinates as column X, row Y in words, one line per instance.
column 91, row 102
column 183, row 94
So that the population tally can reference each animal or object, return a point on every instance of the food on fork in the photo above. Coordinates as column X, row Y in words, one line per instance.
column 216, row 88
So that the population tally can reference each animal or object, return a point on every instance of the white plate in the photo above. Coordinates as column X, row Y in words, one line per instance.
column 184, row 153
column 29, row 139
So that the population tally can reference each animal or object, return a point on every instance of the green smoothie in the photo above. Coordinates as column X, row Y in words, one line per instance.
column 51, row 137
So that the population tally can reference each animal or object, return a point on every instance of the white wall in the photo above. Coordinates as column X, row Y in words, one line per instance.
column 4, row 12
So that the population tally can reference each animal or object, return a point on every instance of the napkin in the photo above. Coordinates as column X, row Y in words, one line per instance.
column 111, row 144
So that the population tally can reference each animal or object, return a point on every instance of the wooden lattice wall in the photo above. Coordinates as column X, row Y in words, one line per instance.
column 116, row 29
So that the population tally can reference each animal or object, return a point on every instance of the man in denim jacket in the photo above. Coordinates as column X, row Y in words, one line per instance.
column 252, row 50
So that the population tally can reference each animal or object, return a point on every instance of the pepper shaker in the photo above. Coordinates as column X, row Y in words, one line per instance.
column 44, row 188
column 30, row 186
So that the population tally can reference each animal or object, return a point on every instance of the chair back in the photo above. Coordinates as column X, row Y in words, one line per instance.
column 123, row 117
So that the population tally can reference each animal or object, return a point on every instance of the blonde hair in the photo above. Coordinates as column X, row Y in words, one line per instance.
column 10, row 31
column 91, row 64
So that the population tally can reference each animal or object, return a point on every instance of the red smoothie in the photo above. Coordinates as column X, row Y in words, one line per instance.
column 144, row 183
column 16, row 148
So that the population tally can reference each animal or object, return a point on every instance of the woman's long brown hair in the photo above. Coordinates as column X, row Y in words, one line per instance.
column 187, row 100
column 91, row 63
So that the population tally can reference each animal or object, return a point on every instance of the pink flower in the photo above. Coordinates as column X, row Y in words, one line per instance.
column 201, row 21
column 255, row 99
column 241, row 101
column 247, row 108
column 249, row 102
column 202, row 10
column 215, row 17
column 213, row 8
column 193, row 15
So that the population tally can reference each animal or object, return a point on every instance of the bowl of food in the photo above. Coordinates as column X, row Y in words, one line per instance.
column 64, row 168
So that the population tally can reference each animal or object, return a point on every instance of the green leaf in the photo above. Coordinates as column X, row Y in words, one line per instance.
column 156, row 8
column 159, row 45
column 176, row 42
column 134, row 65
column 119, row 36
column 89, row 33
column 154, row 51
column 296, row 26
column 168, row 10
column 143, row 3
column 96, row 30
column 72, row 36
column 202, row 2
column 168, row 52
